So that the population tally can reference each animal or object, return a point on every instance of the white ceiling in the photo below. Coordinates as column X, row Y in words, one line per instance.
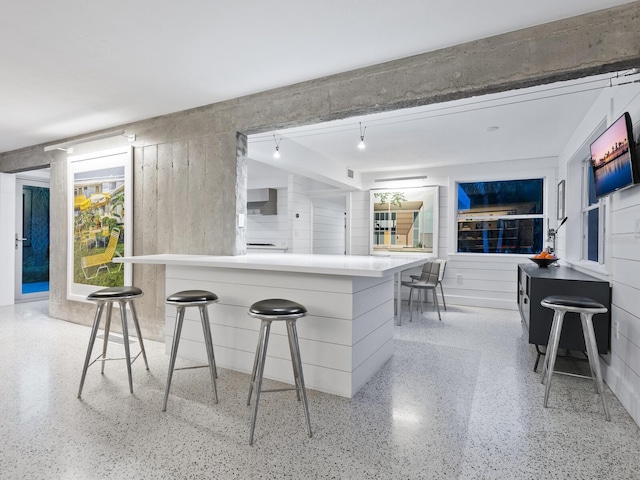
column 71, row 67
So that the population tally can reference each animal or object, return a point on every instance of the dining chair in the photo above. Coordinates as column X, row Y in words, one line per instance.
column 426, row 268
column 428, row 281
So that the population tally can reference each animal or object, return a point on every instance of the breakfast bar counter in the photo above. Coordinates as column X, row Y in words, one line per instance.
column 345, row 338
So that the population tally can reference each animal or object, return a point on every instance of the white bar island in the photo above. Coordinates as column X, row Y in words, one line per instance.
column 345, row 338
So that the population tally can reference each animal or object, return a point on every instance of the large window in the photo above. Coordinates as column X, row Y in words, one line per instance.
column 501, row 216
column 592, row 219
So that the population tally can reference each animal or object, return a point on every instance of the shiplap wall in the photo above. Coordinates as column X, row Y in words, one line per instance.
column 470, row 279
column 329, row 226
column 622, row 248
column 300, row 212
column 7, row 238
column 358, row 218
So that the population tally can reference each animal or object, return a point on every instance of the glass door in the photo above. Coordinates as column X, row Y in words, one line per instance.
column 32, row 239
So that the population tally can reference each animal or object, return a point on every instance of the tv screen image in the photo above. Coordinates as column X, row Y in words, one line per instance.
column 613, row 157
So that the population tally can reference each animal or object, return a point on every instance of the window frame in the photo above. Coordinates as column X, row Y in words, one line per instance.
column 601, row 205
column 456, row 219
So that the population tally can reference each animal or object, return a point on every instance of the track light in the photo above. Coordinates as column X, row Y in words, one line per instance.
column 276, row 154
column 396, row 179
column 361, row 145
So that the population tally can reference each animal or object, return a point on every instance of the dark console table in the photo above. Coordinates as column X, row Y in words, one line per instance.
column 535, row 283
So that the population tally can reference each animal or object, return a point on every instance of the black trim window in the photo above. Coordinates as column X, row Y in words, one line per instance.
column 501, row 216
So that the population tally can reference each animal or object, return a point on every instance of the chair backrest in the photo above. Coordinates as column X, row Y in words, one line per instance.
column 113, row 243
column 430, row 271
column 443, row 267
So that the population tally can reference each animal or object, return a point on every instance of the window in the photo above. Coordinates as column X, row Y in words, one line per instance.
column 592, row 219
column 501, row 216
column 405, row 219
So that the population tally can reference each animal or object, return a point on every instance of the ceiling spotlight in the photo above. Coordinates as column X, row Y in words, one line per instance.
column 276, row 154
column 493, row 129
column 361, row 144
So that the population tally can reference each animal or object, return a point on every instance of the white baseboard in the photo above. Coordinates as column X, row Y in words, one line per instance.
column 623, row 390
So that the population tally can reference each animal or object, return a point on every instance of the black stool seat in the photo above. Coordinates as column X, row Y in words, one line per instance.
column 276, row 307
column 192, row 296
column 573, row 301
column 115, row 293
column 182, row 300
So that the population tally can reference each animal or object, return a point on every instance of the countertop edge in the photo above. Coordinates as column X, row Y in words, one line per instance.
column 253, row 262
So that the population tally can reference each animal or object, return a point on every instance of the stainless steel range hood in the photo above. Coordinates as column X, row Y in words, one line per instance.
column 262, row 201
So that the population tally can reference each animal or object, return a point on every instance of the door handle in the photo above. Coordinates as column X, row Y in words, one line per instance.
column 19, row 239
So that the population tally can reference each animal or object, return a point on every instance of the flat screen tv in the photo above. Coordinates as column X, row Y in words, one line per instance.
column 614, row 158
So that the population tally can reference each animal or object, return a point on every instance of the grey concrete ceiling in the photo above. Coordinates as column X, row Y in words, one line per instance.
column 70, row 67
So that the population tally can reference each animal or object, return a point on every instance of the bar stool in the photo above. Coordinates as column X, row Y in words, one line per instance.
column 587, row 308
column 108, row 296
column 182, row 300
column 268, row 311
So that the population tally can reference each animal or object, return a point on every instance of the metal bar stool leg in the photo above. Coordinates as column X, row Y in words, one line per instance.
column 293, row 333
column 107, row 329
column 590, row 355
column 292, row 350
column 255, row 363
column 125, row 335
column 590, row 336
column 208, row 341
column 552, row 356
column 92, row 339
column 174, row 352
column 547, row 353
column 136, row 324
column 266, row 326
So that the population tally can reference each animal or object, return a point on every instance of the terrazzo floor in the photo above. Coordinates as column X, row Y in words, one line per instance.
column 458, row 399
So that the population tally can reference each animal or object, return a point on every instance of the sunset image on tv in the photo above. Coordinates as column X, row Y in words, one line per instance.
column 611, row 158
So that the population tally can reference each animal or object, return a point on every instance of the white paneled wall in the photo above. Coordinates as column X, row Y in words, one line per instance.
column 623, row 371
column 443, row 225
column 622, row 245
column 472, row 279
column 329, row 226
column 7, row 238
column 300, row 212
column 358, row 228
column 486, row 280
column 270, row 228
